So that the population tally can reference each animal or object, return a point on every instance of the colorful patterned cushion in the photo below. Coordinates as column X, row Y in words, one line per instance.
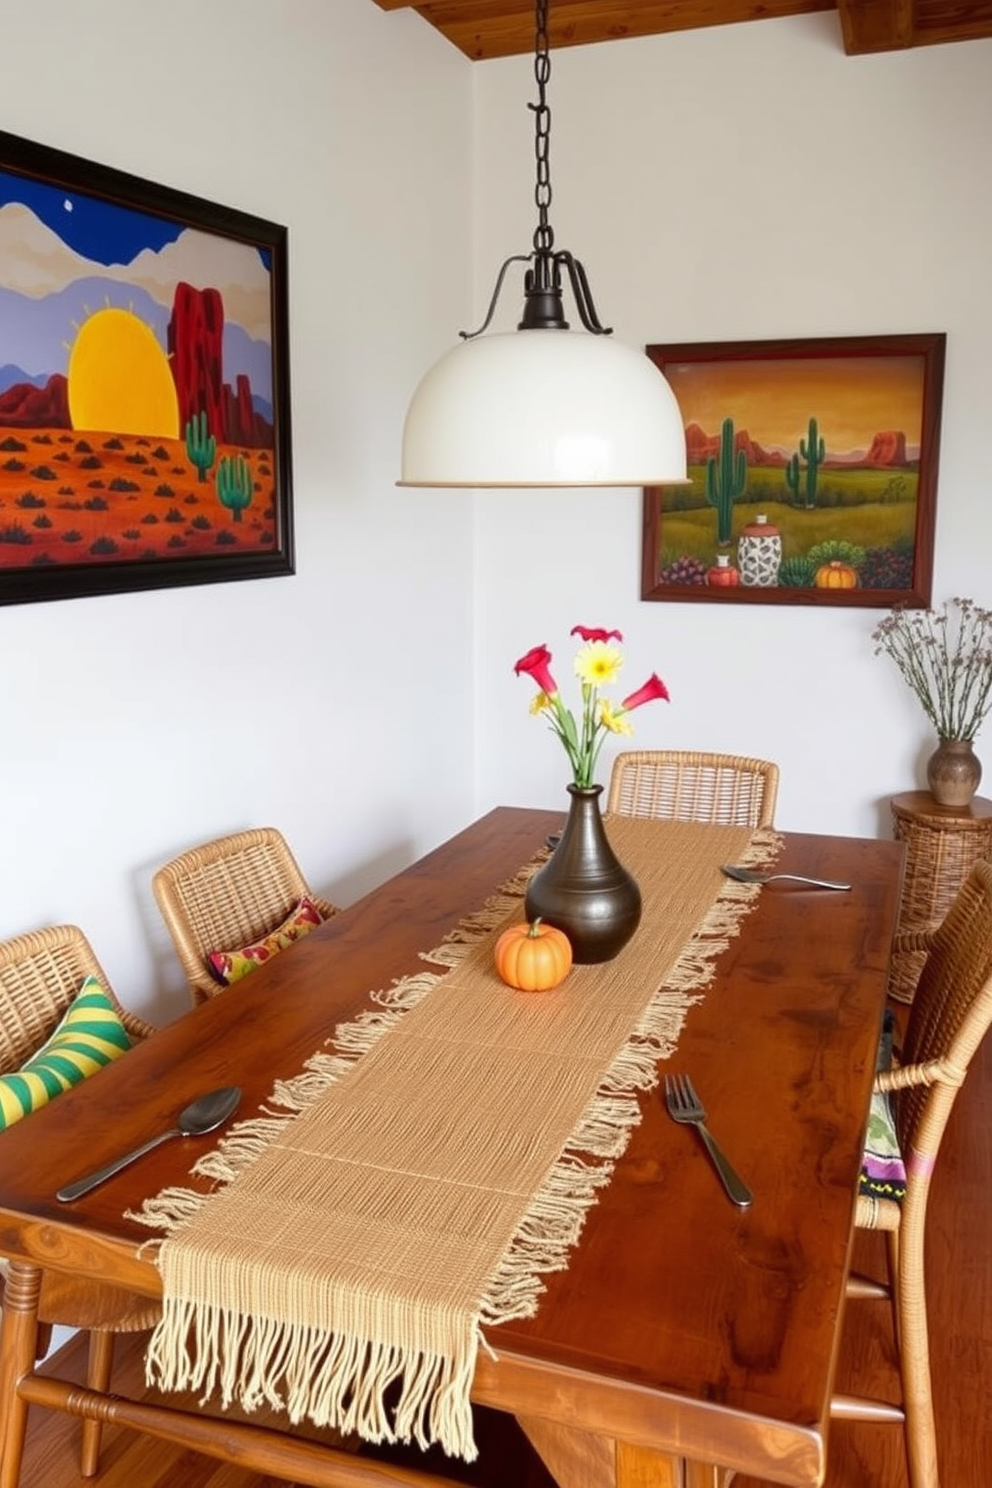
column 89, row 1036
column 231, row 966
column 883, row 1172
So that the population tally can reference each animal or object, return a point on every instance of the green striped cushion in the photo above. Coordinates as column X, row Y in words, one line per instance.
column 89, row 1036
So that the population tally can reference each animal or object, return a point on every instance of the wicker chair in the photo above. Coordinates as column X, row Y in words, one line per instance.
column 228, row 893
column 681, row 785
column 40, row 975
column 951, row 1013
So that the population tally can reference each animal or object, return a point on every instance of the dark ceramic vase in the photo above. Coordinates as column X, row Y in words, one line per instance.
column 583, row 888
column 954, row 772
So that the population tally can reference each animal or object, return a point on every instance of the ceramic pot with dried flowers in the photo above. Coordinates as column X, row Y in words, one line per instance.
column 946, row 657
column 584, row 889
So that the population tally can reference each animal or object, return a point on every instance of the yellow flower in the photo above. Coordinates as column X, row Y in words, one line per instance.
column 617, row 723
column 540, row 703
column 598, row 663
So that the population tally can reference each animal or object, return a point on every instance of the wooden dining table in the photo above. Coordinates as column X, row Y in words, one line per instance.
column 687, row 1339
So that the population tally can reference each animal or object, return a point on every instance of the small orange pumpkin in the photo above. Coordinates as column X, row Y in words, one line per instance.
column 533, row 958
column 836, row 575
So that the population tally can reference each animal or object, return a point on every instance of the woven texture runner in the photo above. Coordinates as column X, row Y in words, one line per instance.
column 415, row 1181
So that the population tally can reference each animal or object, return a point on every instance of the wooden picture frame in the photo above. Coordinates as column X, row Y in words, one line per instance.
column 813, row 473
column 144, row 393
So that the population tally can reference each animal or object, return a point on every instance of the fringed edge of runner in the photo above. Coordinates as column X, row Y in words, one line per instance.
column 468, row 932
column 334, row 1380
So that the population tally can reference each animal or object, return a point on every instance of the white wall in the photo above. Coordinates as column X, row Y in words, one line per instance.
column 134, row 726
column 741, row 182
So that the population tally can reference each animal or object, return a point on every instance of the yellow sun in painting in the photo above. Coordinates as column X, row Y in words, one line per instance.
column 119, row 378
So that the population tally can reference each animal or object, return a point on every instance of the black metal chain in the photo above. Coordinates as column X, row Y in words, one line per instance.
column 543, row 234
column 543, row 280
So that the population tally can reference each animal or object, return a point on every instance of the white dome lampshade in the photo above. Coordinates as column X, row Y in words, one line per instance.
column 543, row 407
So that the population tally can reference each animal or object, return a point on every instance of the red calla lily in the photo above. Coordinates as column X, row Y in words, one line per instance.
column 653, row 690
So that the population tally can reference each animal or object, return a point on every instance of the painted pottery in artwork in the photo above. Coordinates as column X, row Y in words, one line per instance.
column 954, row 772
column 759, row 553
column 723, row 574
column 583, row 888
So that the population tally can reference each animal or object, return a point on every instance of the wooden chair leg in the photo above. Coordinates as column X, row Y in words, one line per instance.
column 914, row 1357
column 101, row 1362
column 892, row 1256
column 18, row 1352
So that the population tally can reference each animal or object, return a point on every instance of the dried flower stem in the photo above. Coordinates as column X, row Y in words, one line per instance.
column 946, row 658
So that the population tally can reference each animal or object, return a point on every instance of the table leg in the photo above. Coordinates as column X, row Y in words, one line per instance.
column 575, row 1459
column 638, row 1467
column 18, row 1345
column 579, row 1459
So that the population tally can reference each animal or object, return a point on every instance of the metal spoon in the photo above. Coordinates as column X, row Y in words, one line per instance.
column 202, row 1115
column 748, row 876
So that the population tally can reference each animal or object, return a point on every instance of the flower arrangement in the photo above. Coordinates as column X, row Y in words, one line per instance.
column 946, row 657
column 597, row 665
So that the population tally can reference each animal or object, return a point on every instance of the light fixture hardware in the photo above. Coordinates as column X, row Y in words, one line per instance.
column 543, row 405
column 543, row 308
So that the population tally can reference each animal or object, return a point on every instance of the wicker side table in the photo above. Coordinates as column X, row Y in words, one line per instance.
column 942, row 844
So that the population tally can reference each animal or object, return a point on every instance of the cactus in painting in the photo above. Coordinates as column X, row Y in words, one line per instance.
column 201, row 445
column 792, row 476
column 234, row 485
column 812, row 450
column 726, row 478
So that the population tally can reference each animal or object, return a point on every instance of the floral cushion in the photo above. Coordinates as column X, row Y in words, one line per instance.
column 883, row 1172
column 89, row 1036
column 230, row 966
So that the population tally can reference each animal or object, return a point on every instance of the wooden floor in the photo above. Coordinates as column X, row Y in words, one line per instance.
column 960, row 1293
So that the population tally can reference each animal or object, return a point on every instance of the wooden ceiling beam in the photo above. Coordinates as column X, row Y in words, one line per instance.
column 502, row 28
column 876, row 25
column 482, row 29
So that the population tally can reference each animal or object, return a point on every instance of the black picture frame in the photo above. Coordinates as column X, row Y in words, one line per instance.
column 144, row 384
column 855, row 418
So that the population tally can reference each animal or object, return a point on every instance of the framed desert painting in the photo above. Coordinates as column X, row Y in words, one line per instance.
column 144, row 401
column 812, row 473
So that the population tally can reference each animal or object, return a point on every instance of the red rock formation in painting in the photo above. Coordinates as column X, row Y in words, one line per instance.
column 196, row 334
column 242, row 422
column 701, row 447
column 23, row 406
column 195, row 344
column 888, row 448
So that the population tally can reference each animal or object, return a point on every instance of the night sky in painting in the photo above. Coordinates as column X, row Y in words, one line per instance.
column 101, row 231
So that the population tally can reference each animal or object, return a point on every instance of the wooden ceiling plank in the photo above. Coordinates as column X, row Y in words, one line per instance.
column 952, row 20
column 501, row 28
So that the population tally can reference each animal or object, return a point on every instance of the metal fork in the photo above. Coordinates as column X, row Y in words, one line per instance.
column 684, row 1105
column 749, row 876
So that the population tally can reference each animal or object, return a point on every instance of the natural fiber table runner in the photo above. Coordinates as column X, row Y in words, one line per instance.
column 412, row 1184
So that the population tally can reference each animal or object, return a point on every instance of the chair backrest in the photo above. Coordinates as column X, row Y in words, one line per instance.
column 950, row 1015
column 40, row 974
column 226, row 894
column 685, row 785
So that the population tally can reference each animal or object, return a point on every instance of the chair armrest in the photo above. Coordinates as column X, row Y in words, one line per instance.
column 907, row 1076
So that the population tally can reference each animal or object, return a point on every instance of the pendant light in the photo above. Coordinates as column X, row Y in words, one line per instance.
column 543, row 405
